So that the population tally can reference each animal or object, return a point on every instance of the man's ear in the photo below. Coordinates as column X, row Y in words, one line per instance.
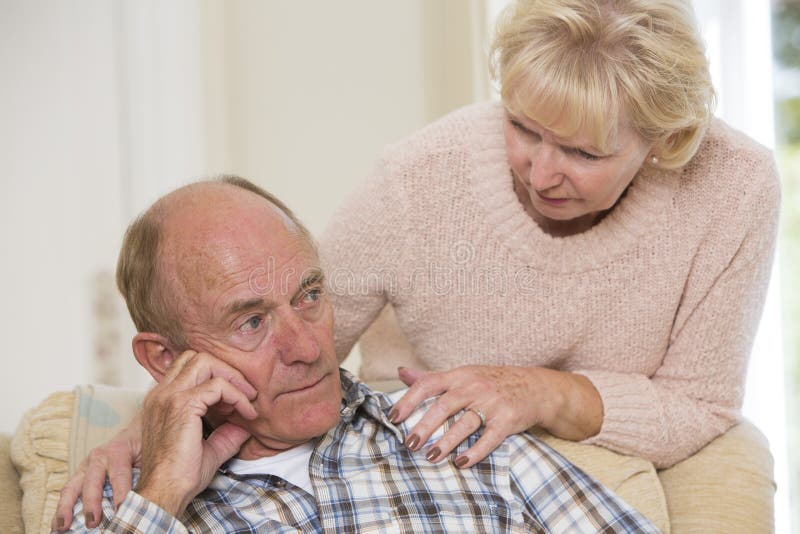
column 154, row 352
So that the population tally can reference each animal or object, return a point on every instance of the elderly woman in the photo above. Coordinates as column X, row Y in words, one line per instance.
column 588, row 256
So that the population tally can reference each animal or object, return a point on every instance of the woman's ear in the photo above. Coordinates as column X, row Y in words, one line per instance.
column 154, row 352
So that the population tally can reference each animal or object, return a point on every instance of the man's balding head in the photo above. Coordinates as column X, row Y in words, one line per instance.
column 139, row 267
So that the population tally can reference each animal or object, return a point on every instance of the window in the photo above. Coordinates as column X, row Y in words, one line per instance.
column 786, row 51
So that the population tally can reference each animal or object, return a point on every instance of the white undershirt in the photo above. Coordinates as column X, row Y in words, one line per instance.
column 291, row 465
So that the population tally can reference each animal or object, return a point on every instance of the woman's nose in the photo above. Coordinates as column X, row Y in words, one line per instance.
column 545, row 171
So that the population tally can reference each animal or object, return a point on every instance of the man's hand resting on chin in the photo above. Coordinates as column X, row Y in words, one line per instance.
column 176, row 462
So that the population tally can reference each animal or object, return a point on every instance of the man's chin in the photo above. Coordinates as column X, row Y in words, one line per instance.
column 285, row 435
column 292, row 418
column 311, row 421
column 292, row 425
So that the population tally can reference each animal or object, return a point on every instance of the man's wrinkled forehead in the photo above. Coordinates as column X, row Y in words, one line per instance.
column 205, row 249
column 224, row 262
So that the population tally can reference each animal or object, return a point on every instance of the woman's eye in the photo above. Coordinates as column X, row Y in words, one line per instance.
column 518, row 125
column 586, row 155
column 521, row 128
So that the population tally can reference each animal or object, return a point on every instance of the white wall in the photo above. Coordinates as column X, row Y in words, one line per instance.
column 60, row 203
column 314, row 94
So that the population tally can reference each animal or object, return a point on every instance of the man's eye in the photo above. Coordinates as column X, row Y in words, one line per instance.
column 309, row 298
column 312, row 296
column 252, row 323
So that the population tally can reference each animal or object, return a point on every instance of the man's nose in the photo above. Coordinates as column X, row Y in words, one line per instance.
column 546, row 171
column 295, row 340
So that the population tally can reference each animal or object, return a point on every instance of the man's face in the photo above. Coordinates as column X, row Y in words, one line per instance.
column 253, row 297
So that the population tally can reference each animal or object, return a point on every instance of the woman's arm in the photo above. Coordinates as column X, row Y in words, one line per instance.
column 361, row 249
column 697, row 392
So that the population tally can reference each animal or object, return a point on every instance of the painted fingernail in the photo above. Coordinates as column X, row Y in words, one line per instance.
column 393, row 415
column 400, row 368
column 433, row 453
column 59, row 522
column 461, row 461
column 89, row 518
column 412, row 441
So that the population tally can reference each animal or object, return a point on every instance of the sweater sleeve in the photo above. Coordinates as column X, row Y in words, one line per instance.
column 362, row 248
column 697, row 393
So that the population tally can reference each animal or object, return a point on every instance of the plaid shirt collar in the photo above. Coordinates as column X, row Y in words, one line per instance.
column 360, row 400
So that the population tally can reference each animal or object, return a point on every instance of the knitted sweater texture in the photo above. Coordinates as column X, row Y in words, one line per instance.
column 657, row 304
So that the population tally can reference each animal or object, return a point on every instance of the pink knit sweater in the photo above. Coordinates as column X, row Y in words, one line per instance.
column 657, row 304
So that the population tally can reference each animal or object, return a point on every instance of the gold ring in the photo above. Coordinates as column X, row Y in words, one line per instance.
column 479, row 414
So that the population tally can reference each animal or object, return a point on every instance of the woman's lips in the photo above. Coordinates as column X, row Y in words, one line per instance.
column 553, row 201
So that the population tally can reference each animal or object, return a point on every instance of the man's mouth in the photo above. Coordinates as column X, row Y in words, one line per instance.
column 306, row 386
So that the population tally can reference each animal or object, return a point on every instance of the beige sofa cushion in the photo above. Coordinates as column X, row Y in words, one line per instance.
column 56, row 435
column 39, row 451
column 727, row 487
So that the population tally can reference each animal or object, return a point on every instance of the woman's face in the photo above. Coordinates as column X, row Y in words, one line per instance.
column 566, row 184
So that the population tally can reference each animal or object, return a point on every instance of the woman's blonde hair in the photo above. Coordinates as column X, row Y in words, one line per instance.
column 591, row 65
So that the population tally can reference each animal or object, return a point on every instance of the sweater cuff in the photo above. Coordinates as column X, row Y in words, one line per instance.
column 628, row 413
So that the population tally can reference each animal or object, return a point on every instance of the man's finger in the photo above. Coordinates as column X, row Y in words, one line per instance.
column 203, row 367
column 219, row 390
column 224, row 442
column 121, row 479
column 177, row 365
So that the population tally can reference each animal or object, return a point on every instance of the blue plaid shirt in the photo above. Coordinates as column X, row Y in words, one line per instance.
column 366, row 480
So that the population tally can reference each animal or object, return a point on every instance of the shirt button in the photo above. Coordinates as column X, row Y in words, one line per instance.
column 280, row 483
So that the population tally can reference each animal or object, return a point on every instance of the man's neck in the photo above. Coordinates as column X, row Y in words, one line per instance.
column 253, row 449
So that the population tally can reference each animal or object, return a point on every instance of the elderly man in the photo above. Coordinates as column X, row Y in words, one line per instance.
column 225, row 269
